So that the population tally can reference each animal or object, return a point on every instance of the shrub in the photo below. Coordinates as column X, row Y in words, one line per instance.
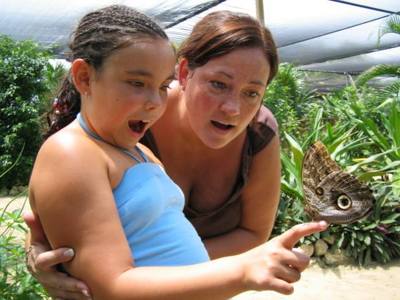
column 26, row 78
column 287, row 97
column 361, row 130
column 16, row 283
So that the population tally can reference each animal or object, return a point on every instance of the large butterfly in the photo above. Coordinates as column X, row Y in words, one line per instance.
column 330, row 193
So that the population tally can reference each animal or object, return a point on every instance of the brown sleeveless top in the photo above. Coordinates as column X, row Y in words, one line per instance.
column 227, row 217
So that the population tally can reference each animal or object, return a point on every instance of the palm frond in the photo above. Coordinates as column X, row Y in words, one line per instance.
column 393, row 89
column 391, row 26
column 375, row 71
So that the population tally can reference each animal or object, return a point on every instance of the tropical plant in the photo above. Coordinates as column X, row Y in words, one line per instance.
column 16, row 283
column 391, row 26
column 287, row 97
column 26, row 78
column 365, row 143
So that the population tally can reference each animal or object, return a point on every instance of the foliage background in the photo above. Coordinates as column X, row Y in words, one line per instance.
column 359, row 125
column 16, row 283
column 26, row 79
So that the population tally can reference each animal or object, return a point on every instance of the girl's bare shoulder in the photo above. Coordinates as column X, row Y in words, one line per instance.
column 66, row 160
column 67, row 153
column 70, row 143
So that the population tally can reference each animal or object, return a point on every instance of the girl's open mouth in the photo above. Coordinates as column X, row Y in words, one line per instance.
column 221, row 125
column 137, row 126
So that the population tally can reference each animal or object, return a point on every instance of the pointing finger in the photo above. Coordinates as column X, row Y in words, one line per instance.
column 293, row 235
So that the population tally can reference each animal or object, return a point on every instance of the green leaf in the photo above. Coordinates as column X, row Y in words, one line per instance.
column 370, row 226
column 367, row 240
column 368, row 160
column 296, row 151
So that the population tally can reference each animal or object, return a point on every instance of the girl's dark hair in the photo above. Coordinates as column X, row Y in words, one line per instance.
column 98, row 34
column 222, row 32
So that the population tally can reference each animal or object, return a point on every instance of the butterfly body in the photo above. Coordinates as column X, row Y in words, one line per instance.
column 330, row 193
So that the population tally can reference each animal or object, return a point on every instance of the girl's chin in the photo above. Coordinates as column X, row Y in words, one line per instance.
column 136, row 136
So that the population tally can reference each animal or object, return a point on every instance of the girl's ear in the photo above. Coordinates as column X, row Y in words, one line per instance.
column 183, row 72
column 81, row 72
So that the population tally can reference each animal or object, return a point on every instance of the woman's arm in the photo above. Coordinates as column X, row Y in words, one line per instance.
column 41, row 261
column 259, row 200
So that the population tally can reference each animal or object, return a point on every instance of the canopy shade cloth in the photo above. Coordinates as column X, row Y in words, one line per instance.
column 325, row 35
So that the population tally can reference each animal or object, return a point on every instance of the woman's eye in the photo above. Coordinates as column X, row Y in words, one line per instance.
column 136, row 83
column 218, row 85
column 252, row 94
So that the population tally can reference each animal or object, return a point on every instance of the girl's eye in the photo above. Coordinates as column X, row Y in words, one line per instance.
column 165, row 86
column 218, row 84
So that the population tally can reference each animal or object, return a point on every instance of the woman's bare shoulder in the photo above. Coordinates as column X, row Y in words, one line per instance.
column 266, row 117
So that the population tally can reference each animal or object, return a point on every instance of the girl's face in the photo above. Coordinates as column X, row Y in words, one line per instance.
column 223, row 96
column 128, row 94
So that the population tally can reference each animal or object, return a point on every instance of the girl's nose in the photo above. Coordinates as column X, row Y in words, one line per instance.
column 154, row 101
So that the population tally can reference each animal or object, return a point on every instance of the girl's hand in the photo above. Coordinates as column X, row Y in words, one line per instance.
column 276, row 265
column 41, row 261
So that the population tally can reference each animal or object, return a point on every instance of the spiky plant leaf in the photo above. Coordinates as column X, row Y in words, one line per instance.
column 375, row 71
column 391, row 26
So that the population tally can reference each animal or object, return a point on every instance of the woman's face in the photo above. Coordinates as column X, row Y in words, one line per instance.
column 128, row 94
column 224, row 95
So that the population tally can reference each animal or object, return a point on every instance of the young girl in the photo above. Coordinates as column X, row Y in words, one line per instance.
column 95, row 189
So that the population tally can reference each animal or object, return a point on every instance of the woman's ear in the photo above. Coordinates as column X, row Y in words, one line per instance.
column 183, row 72
column 81, row 72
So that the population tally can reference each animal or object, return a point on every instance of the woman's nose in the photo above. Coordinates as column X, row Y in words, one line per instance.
column 231, row 106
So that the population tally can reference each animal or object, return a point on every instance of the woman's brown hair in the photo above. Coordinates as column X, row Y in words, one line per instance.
column 222, row 32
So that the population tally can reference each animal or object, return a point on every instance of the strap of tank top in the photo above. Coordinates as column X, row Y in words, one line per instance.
column 94, row 135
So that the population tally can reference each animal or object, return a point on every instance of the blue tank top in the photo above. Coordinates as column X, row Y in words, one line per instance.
column 150, row 207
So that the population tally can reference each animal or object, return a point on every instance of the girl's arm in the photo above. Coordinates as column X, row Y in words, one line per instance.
column 259, row 200
column 72, row 196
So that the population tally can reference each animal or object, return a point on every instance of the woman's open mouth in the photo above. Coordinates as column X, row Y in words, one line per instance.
column 221, row 125
column 137, row 126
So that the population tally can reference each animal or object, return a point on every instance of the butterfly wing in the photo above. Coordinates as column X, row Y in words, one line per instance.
column 317, row 164
column 330, row 193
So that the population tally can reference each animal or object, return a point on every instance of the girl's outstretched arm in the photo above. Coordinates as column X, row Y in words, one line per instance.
column 77, row 209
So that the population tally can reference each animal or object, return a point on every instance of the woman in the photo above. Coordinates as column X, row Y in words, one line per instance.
column 216, row 140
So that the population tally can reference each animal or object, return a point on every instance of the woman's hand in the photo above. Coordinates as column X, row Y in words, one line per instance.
column 276, row 264
column 41, row 261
